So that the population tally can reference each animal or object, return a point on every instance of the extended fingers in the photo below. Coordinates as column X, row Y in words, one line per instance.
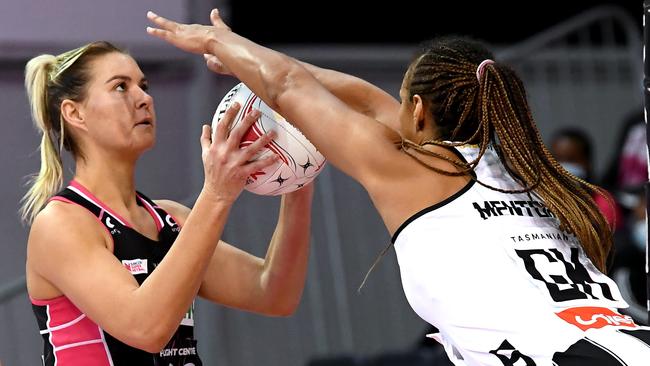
column 216, row 20
column 238, row 132
column 162, row 22
column 205, row 137
column 252, row 149
column 214, row 16
column 221, row 133
column 165, row 35
column 260, row 164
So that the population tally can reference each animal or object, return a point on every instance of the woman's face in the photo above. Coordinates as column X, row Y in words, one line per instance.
column 571, row 155
column 118, row 113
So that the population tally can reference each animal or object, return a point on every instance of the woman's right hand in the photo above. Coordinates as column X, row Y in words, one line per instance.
column 226, row 165
column 194, row 38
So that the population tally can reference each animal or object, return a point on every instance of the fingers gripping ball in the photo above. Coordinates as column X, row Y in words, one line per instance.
column 299, row 163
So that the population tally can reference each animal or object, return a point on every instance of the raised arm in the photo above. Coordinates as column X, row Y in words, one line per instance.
column 72, row 253
column 350, row 140
column 357, row 93
column 270, row 286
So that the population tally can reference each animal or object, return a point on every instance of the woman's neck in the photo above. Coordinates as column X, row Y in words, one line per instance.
column 113, row 183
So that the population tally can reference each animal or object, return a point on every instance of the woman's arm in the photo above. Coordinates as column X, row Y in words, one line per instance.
column 351, row 141
column 357, row 93
column 68, row 251
column 270, row 286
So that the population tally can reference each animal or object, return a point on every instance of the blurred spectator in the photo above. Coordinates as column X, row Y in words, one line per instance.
column 573, row 150
column 629, row 166
column 626, row 178
column 628, row 267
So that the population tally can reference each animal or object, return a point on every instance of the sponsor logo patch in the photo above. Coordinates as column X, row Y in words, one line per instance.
column 136, row 266
column 595, row 318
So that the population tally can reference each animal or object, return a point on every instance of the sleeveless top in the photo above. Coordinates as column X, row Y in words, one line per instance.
column 71, row 338
column 504, row 285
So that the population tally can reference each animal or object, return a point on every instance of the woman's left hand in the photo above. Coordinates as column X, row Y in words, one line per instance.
column 188, row 37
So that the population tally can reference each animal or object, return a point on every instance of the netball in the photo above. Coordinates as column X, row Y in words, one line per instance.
column 300, row 162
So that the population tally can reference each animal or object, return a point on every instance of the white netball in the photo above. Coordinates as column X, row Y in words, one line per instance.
column 300, row 162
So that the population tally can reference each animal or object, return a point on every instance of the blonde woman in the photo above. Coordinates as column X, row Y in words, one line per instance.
column 111, row 274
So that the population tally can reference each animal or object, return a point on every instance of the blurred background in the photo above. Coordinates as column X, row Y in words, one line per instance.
column 580, row 61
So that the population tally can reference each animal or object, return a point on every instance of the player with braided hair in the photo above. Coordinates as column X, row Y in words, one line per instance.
column 509, row 270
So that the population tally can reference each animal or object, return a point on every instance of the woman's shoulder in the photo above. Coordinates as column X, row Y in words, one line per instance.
column 57, row 213
column 61, row 229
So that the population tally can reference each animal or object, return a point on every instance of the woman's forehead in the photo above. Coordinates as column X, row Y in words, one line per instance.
column 115, row 64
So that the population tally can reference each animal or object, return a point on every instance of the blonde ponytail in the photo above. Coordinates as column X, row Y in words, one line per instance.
column 50, row 177
column 48, row 181
column 49, row 81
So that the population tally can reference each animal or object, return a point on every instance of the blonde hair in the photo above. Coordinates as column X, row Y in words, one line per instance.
column 49, row 80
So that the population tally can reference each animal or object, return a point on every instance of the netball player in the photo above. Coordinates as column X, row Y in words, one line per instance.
column 499, row 247
column 111, row 274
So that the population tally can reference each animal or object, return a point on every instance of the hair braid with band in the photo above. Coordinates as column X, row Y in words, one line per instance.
column 494, row 109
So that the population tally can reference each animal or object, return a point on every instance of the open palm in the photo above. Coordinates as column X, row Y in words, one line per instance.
column 188, row 37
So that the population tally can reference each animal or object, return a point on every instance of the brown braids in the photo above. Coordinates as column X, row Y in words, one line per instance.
column 495, row 110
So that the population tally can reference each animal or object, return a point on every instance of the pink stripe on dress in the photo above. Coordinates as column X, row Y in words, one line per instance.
column 156, row 218
column 59, row 198
column 75, row 338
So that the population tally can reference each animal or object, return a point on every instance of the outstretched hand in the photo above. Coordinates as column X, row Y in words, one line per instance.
column 226, row 165
column 193, row 38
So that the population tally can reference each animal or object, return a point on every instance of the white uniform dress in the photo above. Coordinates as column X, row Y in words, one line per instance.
column 504, row 286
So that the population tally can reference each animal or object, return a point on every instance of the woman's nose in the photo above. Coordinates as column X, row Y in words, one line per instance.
column 144, row 100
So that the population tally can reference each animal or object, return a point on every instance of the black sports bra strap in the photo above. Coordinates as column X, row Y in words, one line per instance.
column 166, row 219
column 70, row 195
column 106, row 218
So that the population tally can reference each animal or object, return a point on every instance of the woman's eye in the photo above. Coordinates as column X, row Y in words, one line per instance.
column 121, row 87
column 144, row 87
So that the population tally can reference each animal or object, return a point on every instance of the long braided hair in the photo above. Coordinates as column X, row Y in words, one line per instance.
column 481, row 111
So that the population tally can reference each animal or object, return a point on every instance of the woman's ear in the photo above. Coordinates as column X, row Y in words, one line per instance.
column 418, row 112
column 71, row 113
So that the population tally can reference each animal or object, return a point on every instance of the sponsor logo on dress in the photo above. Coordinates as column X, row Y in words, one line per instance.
column 170, row 221
column 487, row 209
column 135, row 266
column 596, row 318
column 111, row 226
column 173, row 352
